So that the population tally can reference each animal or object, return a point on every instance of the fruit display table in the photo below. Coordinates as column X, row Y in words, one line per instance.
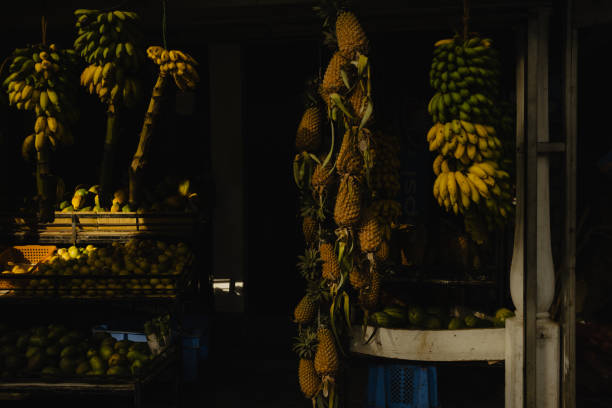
column 81, row 227
column 486, row 344
column 119, row 385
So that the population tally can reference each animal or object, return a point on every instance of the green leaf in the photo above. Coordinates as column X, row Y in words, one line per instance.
column 295, row 173
column 337, row 101
column 345, row 79
column 341, row 247
column 362, row 63
column 347, row 309
column 367, row 114
column 331, row 150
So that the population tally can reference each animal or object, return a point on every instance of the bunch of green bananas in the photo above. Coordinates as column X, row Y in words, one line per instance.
column 176, row 63
column 41, row 79
column 110, row 43
column 469, row 166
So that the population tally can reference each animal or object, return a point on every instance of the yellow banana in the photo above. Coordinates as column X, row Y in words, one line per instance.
column 501, row 174
column 480, row 185
column 436, row 187
column 468, row 126
column 97, row 74
column 456, row 208
column 482, row 144
column 474, row 193
column 490, row 130
column 447, row 131
column 444, row 166
column 436, row 164
column 173, row 55
column 26, row 92
column 40, row 124
column 459, row 150
column 443, row 185
column 472, row 138
column 462, row 183
column 487, row 167
column 471, row 151
column 476, row 170
column 40, row 141
column 52, row 124
column 489, row 181
column 452, row 187
column 443, row 42
column 431, row 134
column 480, row 130
column 496, row 190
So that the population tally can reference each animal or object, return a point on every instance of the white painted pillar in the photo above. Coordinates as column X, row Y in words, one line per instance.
column 548, row 338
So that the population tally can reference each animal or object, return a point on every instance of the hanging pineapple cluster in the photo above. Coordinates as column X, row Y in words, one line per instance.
column 466, row 112
column 110, row 43
column 179, row 65
column 41, row 79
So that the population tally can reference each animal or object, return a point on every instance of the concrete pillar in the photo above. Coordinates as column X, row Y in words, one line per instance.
column 547, row 355
column 229, row 237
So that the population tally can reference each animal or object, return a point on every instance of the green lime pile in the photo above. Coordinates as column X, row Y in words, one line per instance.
column 55, row 350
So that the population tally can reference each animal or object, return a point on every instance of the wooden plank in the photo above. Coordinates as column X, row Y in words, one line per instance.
column 531, row 216
column 432, row 345
column 568, row 286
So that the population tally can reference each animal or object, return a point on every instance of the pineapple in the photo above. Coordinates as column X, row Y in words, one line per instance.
column 308, row 136
column 357, row 102
column 350, row 35
column 305, row 310
column 370, row 296
column 370, row 232
column 331, row 267
column 349, row 159
column 332, row 80
column 307, row 307
column 382, row 254
column 348, row 202
column 322, row 179
column 309, row 380
column 309, row 264
column 359, row 277
column 326, row 358
column 309, row 223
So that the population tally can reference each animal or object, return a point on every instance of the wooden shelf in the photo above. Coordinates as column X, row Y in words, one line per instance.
column 432, row 345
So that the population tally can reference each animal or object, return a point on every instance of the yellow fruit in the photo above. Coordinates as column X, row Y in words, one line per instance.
column 349, row 33
column 326, row 357
column 308, row 378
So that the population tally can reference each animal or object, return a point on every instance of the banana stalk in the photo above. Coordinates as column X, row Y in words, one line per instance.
column 140, row 157
column 44, row 184
column 106, row 172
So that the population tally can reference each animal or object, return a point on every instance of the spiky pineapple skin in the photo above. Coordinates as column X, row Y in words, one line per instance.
column 308, row 378
column 370, row 296
column 309, row 228
column 308, row 136
column 382, row 254
column 322, row 179
column 332, row 80
column 349, row 161
column 326, row 358
column 370, row 232
column 348, row 202
column 350, row 34
column 305, row 310
column 358, row 278
column 330, row 268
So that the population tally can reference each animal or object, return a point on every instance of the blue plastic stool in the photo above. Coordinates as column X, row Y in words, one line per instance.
column 402, row 386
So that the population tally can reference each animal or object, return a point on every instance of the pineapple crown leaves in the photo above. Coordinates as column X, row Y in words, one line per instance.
column 318, row 291
column 328, row 10
column 306, row 344
column 309, row 263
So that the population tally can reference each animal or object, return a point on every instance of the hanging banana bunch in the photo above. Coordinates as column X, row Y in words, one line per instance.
column 471, row 173
column 110, row 42
column 181, row 67
column 41, row 79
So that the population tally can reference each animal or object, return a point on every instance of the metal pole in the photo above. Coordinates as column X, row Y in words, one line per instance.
column 568, row 317
column 531, row 216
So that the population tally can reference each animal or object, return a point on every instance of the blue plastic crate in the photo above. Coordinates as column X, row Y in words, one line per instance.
column 402, row 386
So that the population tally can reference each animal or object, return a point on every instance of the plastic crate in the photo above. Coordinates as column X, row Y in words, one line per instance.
column 402, row 386
column 26, row 255
column 121, row 334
